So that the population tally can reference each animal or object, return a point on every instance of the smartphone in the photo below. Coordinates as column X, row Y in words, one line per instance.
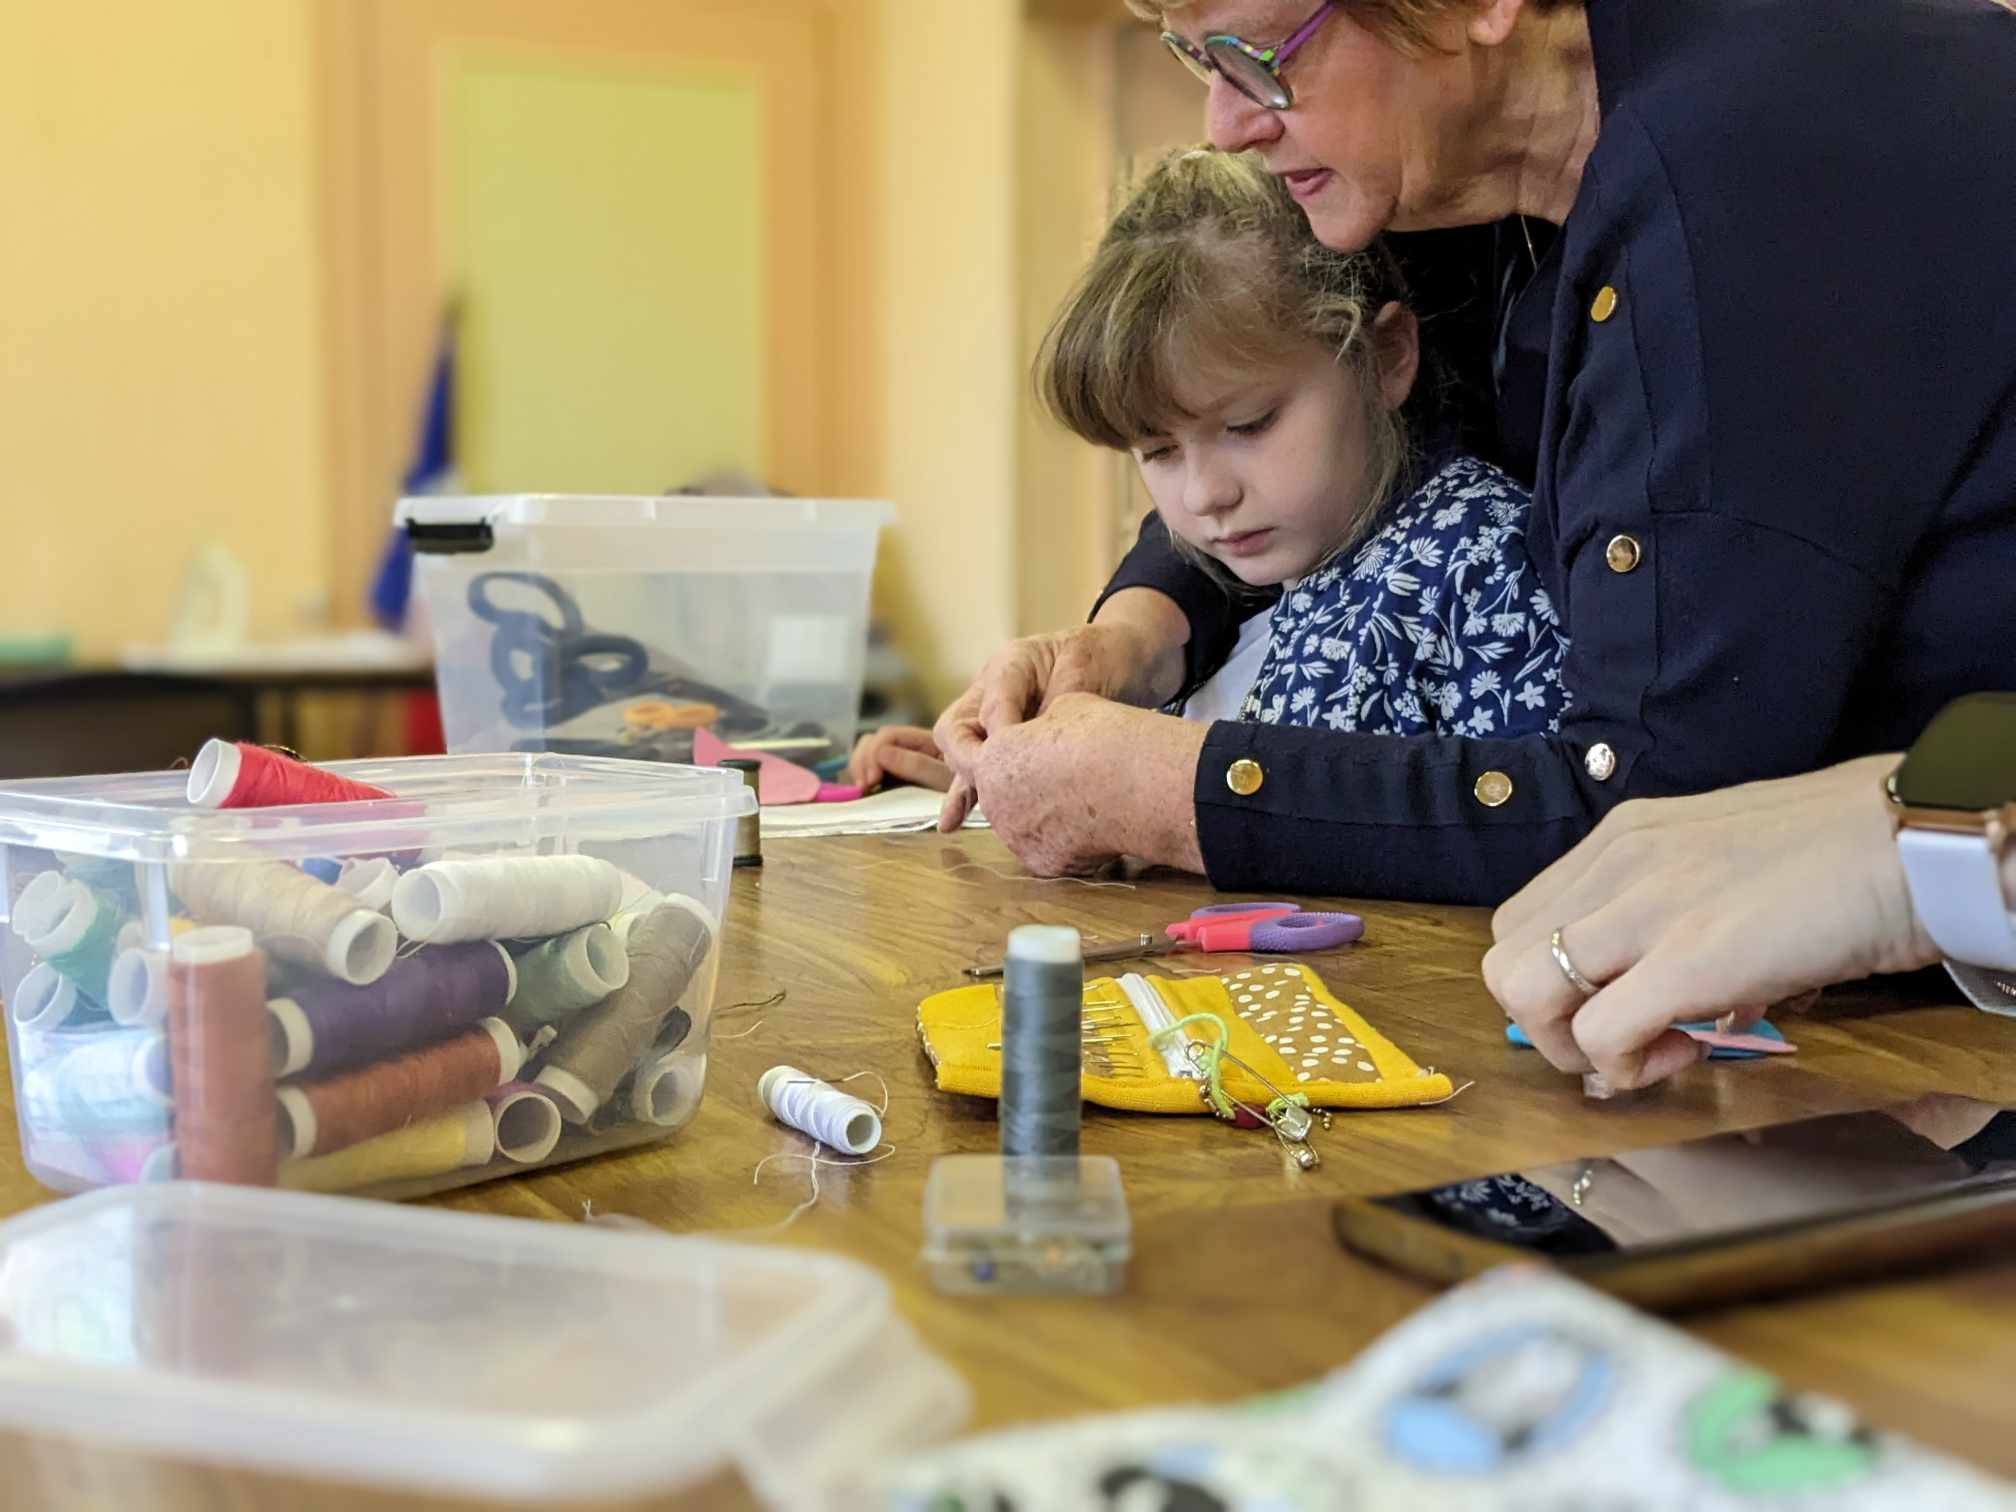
column 1710, row 1220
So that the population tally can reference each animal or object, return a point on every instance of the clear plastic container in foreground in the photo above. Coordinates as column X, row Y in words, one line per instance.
column 302, row 997
column 454, row 1353
column 612, row 626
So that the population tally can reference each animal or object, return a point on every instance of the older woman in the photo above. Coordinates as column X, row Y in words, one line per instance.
column 1756, row 352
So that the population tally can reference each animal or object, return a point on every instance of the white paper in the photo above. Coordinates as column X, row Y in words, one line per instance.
column 893, row 811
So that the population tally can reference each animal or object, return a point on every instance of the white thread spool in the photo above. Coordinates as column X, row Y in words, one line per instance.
column 213, row 774
column 53, row 913
column 667, row 1091
column 505, row 898
column 573, row 971
column 820, row 1109
column 137, row 992
column 297, row 917
column 45, row 999
column 370, row 881
column 527, row 1124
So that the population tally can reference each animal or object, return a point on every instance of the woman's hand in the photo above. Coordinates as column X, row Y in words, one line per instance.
column 904, row 752
column 1131, row 653
column 1091, row 781
column 1706, row 907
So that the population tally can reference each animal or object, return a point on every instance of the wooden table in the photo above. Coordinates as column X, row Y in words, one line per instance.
column 1236, row 1285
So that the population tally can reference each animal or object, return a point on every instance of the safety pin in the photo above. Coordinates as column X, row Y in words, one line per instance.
column 1291, row 1127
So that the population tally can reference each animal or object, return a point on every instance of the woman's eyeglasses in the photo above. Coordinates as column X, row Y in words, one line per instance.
column 1254, row 71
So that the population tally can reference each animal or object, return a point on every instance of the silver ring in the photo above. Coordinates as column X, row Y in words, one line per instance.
column 1576, row 980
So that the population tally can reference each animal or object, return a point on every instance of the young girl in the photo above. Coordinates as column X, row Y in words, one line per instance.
column 1262, row 383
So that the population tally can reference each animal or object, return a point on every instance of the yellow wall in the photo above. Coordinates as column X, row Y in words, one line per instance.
column 159, row 342
column 180, row 221
column 948, row 336
column 567, row 176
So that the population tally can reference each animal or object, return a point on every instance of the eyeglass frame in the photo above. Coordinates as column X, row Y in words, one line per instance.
column 1198, row 59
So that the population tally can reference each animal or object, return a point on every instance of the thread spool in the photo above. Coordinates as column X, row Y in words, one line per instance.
column 566, row 974
column 527, row 1122
column 666, row 1091
column 323, row 1027
column 106, row 874
column 21, row 865
column 238, row 774
column 295, row 917
column 74, row 927
column 460, row 1139
column 353, row 1106
column 370, row 880
column 505, row 898
column 137, row 991
column 141, row 1157
column 598, row 1046
column 99, row 1083
column 820, row 1109
column 220, row 1059
column 749, row 828
column 1041, row 1016
column 45, row 1000
column 665, row 1088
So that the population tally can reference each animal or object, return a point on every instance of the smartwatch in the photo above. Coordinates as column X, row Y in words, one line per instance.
column 1954, row 794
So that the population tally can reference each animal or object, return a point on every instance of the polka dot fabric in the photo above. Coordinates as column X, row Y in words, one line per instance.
column 1284, row 1024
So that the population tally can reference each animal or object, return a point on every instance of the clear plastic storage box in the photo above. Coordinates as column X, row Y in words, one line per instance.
column 508, row 962
column 617, row 626
column 455, row 1353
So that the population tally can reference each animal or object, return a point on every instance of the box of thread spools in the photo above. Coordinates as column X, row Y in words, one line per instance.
column 390, row 977
column 657, row 629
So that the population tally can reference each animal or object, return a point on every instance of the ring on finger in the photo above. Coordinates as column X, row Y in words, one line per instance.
column 1579, row 982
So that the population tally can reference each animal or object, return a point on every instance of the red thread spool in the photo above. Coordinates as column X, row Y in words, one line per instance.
column 221, row 1059
column 340, row 1111
column 238, row 774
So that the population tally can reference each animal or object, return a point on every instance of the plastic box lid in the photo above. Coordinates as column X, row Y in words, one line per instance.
column 404, row 1346
column 671, row 511
column 440, row 801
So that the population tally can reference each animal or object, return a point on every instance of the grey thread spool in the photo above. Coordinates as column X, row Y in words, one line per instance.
column 749, row 828
column 1041, row 1004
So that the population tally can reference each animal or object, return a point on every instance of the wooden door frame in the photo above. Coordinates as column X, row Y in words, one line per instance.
column 382, row 281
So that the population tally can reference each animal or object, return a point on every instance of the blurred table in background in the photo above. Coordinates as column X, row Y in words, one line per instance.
column 158, row 707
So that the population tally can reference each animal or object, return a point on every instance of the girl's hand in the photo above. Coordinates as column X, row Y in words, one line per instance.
column 904, row 752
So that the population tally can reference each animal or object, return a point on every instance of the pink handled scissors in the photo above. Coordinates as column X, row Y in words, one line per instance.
column 1265, row 928
column 1270, row 928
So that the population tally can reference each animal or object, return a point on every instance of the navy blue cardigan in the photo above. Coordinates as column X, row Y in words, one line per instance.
column 1774, row 351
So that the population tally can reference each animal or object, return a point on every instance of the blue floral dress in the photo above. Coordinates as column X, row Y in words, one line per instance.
column 1435, row 624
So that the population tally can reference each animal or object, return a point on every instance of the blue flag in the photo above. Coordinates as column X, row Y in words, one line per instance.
column 431, row 470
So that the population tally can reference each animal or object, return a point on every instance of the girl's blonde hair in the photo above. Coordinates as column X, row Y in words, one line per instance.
column 1210, row 272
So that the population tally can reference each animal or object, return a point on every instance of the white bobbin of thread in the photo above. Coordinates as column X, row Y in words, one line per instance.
column 361, row 948
column 820, row 1109
column 527, row 1126
column 213, row 774
column 53, row 913
column 44, row 998
column 667, row 1091
column 370, row 881
column 137, row 992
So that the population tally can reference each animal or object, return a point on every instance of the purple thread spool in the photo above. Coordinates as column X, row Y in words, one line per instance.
column 325, row 1026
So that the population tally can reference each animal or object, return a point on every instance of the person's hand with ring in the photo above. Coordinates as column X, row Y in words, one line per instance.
column 1709, row 907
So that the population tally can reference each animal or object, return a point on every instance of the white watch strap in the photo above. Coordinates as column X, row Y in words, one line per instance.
column 1956, row 886
column 1990, row 991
